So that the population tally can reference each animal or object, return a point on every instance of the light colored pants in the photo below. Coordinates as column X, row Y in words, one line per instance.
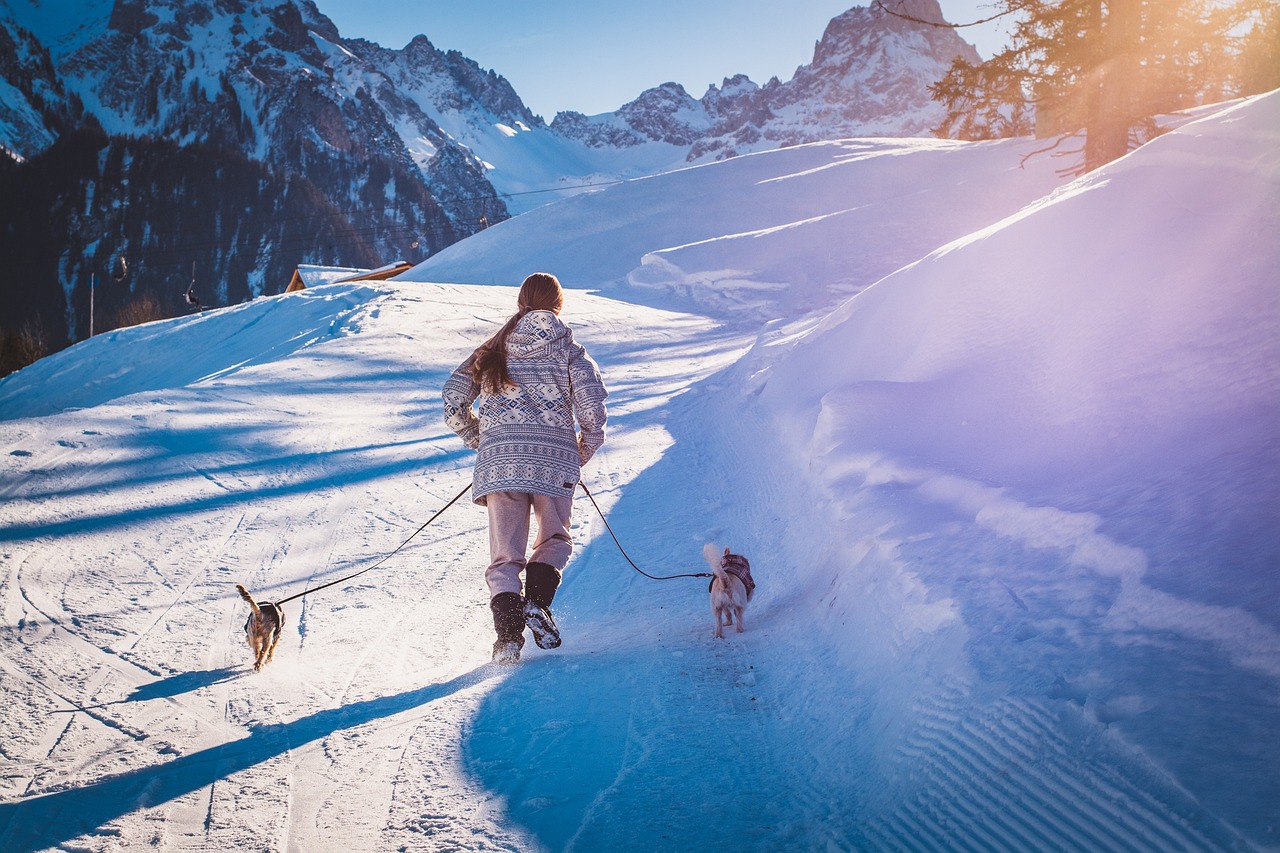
column 509, row 536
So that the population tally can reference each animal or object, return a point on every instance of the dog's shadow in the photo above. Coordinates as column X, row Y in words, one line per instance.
column 183, row 682
column 165, row 688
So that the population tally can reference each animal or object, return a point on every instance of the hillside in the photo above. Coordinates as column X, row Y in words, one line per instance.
column 1010, row 508
column 316, row 148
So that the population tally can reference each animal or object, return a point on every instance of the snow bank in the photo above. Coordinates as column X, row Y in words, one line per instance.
column 162, row 353
column 1051, row 450
column 1130, row 316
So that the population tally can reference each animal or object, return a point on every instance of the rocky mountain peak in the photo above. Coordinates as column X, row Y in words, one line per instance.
column 870, row 75
column 865, row 31
column 338, row 154
column 667, row 114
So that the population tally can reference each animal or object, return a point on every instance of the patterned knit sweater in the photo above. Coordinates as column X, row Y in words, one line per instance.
column 525, row 435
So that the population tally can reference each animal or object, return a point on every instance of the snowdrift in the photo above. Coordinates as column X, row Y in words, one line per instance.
column 1128, row 318
column 1061, row 434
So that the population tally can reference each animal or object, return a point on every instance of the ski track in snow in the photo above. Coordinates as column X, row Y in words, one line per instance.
column 206, row 490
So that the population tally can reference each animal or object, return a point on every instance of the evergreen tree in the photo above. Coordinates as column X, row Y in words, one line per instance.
column 1104, row 66
column 1260, row 55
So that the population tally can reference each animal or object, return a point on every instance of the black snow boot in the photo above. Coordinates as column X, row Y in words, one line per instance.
column 540, row 583
column 508, row 623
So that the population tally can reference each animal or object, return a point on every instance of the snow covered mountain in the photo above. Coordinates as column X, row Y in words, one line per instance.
column 275, row 81
column 1011, row 510
column 315, row 148
column 299, row 141
column 869, row 77
column 34, row 107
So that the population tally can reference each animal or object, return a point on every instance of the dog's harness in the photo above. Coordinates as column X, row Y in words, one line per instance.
column 264, row 605
column 738, row 566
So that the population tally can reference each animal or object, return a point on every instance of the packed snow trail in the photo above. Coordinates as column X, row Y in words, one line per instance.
column 380, row 725
column 126, row 524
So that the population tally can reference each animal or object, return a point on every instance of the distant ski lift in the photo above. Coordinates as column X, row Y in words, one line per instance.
column 191, row 297
column 119, row 268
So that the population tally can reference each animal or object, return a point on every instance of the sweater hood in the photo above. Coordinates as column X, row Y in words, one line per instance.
column 536, row 334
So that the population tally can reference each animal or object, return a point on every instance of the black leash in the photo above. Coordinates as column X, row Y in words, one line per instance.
column 624, row 551
column 457, row 498
column 384, row 559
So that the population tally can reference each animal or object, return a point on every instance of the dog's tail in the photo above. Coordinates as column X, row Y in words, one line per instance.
column 711, row 553
column 244, row 593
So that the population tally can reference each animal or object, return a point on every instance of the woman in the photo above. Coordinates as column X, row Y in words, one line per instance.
column 531, row 380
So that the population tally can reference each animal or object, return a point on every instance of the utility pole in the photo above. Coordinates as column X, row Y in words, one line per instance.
column 93, row 280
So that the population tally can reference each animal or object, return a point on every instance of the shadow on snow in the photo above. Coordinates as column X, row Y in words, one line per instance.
column 54, row 819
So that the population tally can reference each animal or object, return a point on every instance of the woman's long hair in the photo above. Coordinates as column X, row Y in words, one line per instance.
column 539, row 292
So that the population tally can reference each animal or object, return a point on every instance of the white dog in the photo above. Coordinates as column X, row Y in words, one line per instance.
column 731, row 588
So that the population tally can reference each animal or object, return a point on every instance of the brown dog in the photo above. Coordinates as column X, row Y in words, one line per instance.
column 262, row 629
column 731, row 588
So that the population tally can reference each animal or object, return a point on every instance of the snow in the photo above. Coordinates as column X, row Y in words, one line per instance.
column 62, row 27
column 1002, row 453
column 314, row 274
column 22, row 130
column 813, row 222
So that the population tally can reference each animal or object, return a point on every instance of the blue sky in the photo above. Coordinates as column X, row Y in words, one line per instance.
column 595, row 55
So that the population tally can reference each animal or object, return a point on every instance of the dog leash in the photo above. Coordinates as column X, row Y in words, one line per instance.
column 384, row 559
column 624, row 550
column 457, row 498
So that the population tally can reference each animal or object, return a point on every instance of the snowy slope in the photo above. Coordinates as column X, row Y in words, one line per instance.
column 278, row 443
column 956, row 644
column 1060, row 440
column 21, row 127
column 782, row 232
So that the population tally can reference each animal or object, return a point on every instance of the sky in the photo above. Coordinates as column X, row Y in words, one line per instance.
column 594, row 57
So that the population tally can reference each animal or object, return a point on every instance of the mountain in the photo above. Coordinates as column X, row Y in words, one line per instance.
column 275, row 81
column 150, row 219
column 34, row 106
column 869, row 77
column 398, row 153
column 257, row 109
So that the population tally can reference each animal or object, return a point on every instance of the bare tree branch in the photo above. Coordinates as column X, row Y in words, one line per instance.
column 1061, row 139
column 943, row 24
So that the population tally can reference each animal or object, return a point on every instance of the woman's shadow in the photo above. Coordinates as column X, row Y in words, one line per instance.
column 54, row 819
